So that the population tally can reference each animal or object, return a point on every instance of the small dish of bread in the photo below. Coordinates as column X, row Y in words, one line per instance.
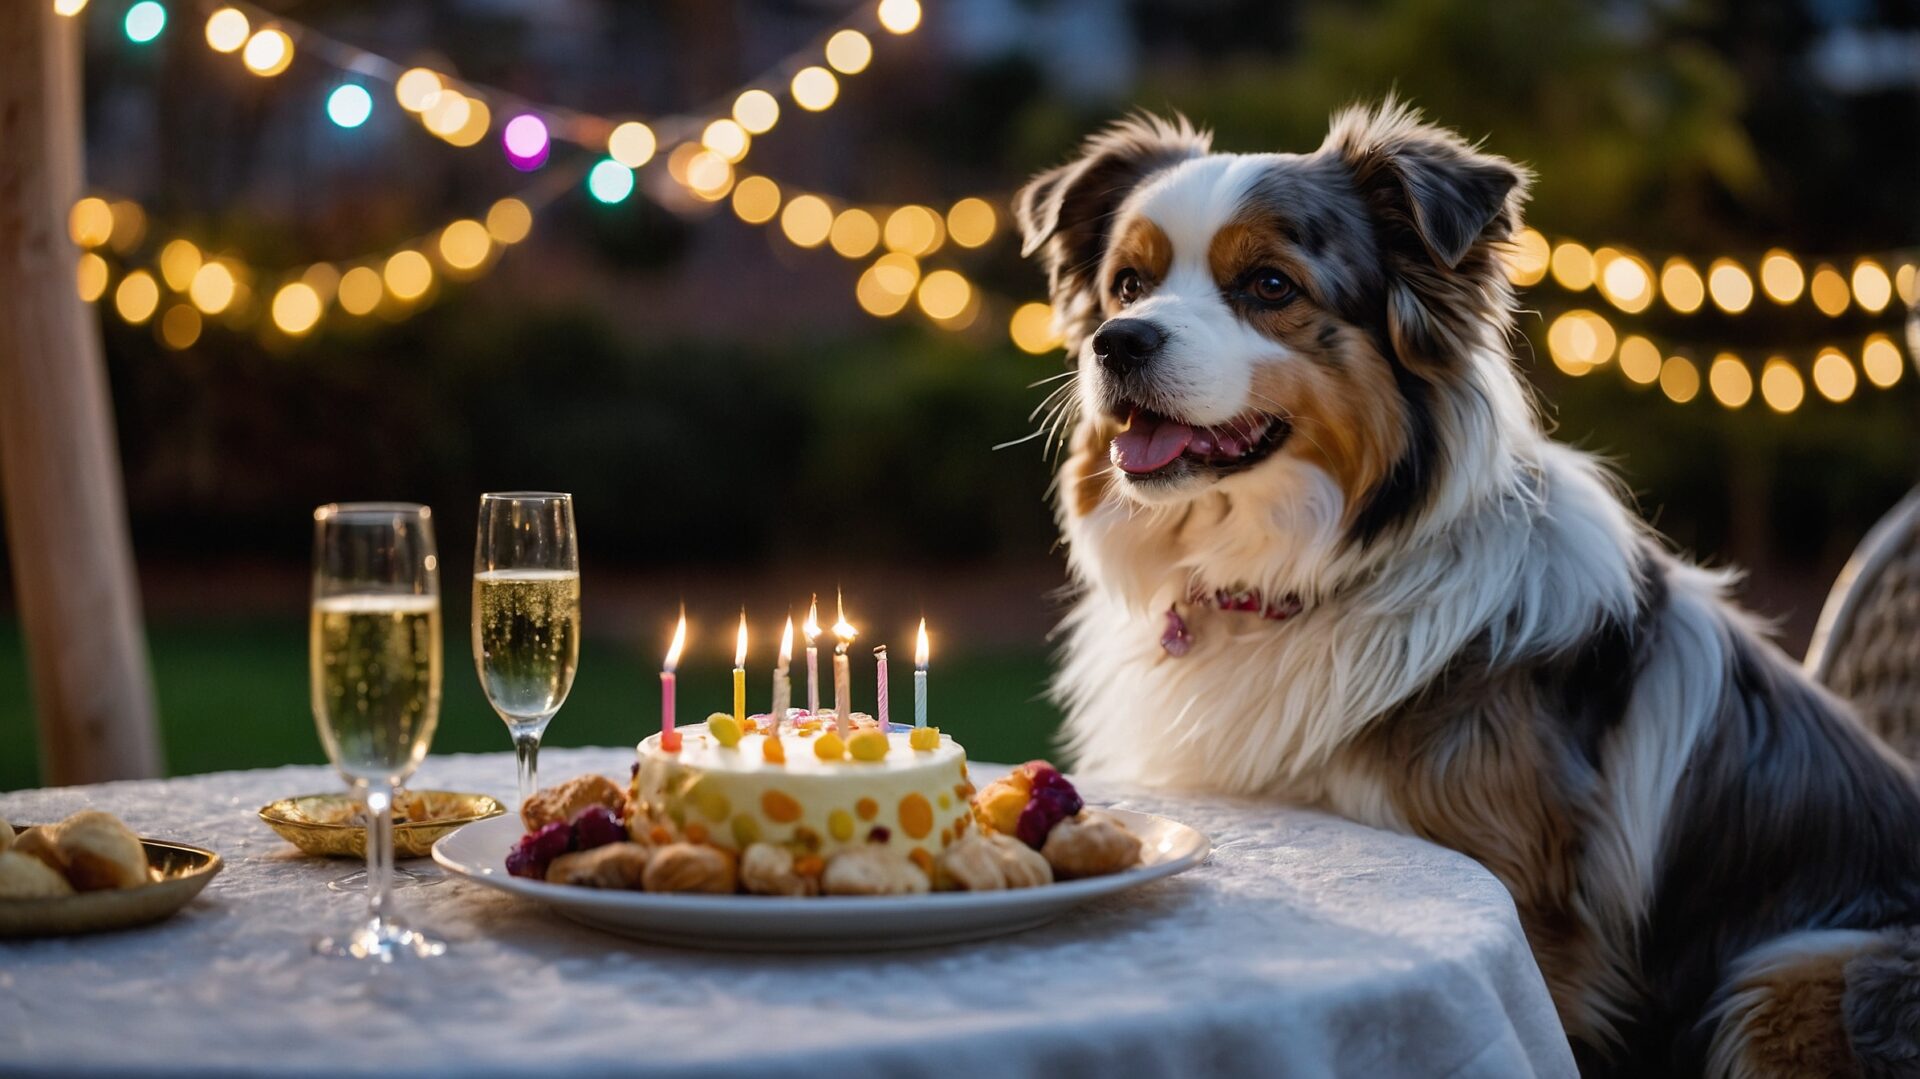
column 91, row 872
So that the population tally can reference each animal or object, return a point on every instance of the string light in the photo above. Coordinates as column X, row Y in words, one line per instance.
column 90, row 276
column 855, row 233
column 1833, row 375
column 1580, row 340
column 756, row 200
column 709, row 176
column 212, row 288
column 756, row 111
column 144, row 22
column 408, row 275
column 1624, row 279
column 806, row 220
column 464, row 244
column 296, row 309
column 349, row 105
column 136, row 297
column 914, row 230
column 361, row 289
column 1729, row 285
column 509, row 221
column 1572, row 266
column 886, row 286
column 1880, row 360
column 632, row 144
column 1730, row 381
column 726, row 138
column 899, row 16
column 179, row 261
column 1903, row 283
column 1682, row 285
column 1031, row 329
column 180, row 327
column 814, row 88
column 1639, row 360
column 268, row 53
column 944, row 294
column 1781, row 277
column 849, row 52
column 610, row 182
column 227, row 30
column 1780, row 386
column 1872, row 288
column 1679, row 379
column 971, row 221
column 448, row 113
column 90, row 222
column 129, row 225
column 526, row 141
column 415, row 88
column 1829, row 291
column 479, row 121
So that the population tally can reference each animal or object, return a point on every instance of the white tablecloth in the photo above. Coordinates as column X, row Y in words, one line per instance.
column 1306, row 946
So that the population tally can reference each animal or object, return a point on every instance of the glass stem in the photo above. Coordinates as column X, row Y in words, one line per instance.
column 526, row 749
column 379, row 851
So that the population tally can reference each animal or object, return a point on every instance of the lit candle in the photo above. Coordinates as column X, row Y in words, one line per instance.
column 782, row 685
column 842, row 688
column 670, row 738
column 920, row 677
column 740, row 673
column 812, row 629
column 880, row 681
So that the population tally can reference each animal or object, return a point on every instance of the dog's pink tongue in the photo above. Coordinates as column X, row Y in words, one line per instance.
column 1150, row 443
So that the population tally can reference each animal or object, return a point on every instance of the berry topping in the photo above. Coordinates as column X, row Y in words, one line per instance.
column 596, row 826
column 536, row 850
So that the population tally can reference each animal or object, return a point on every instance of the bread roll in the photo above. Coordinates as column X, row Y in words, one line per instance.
column 100, row 852
column 23, row 876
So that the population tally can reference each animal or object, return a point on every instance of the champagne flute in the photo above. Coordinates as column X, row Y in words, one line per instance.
column 375, row 666
column 526, row 614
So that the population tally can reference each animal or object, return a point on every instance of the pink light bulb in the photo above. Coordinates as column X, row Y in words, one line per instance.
column 526, row 141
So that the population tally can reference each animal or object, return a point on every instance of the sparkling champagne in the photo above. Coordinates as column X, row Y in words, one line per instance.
column 375, row 666
column 526, row 638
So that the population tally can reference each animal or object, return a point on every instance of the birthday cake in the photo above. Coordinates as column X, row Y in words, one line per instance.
column 905, row 791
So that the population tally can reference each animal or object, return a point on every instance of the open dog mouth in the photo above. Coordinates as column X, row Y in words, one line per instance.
column 1153, row 445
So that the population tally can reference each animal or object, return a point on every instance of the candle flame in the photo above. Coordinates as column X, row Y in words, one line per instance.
column 786, row 643
column 679, row 642
column 740, row 643
column 842, row 628
column 920, row 647
column 811, row 627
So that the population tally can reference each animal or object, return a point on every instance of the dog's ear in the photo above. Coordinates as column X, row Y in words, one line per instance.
column 1065, row 213
column 1443, row 209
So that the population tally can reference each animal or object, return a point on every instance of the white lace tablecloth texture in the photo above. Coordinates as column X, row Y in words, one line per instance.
column 1305, row 946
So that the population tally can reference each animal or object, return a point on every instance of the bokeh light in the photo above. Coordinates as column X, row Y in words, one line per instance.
column 90, row 277
column 944, row 294
column 90, row 222
column 227, row 29
column 479, row 121
column 914, row 230
column 179, row 261
column 849, row 52
column 268, row 53
column 1527, row 257
column 1572, row 266
column 1730, row 381
column 709, row 176
column 69, row 7
column 1580, row 340
column 296, row 308
column 360, row 290
column 464, row 244
column 1872, row 288
column 806, row 220
column 1639, row 360
column 1829, row 291
column 129, row 225
column 1781, row 386
column 448, row 113
column 726, row 138
column 971, row 221
column 632, row 144
column 1833, row 375
column 814, row 88
column 1904, row 283
column 1781, row 277
column 509, row 221
column 1729, row 285
column 323, row 279
column 1682, row 286
column 212, row 288
column 756, row 111
column 1032, row 329
column 855, row 233
column 349, row 105
column 180, row 327
column 1880, row 360
column 756, row 199
column 899, row 16
column 1679, row 380
column 415, row 88
column 1624, row 279
column 408, row 275
column 885, row 287
column 526, row 142
column 136, row 297
column 609, row 181
column 143, row 23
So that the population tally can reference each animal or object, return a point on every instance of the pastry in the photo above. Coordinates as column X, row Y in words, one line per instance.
column 566, row 801
column 23, row 876
column 615, row 865
column 99, row 852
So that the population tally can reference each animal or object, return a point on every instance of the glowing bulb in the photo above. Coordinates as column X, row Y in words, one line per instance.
column 449, row 113
column 415, row 88
column 1880, row 360
column 136, row 297
column 610, row 181
column 1903, row 283
column 227, row 29
column 1527, row 257
column 1626, row 281
column 1729, row 285
column 726, row 138
column 296, row 308
column 1730, row 381
column 90, row 277
column 324, row 280
column 855, row 233
column 971, row 222
column 408, row 275
column 899, row 16
column 479, row 120
column 849, row 52
column 1829, row 291
column 349, row 105
column 144, row 22
column 914, row 230
column 632, row 144
column 1833, row 375
column 756, row 199
column 268, row 53
column 212, row 288
column 1032, row 329
column 179, row 261
column 180, row 327
column 709, row 176
column 897, row 273
column 526, row 142
column 876, row 297
column 1579, row 341
column 129, row 225
column 1680, row 283
column 464, row 245
column 1639, row 360
column 1572, row 266
column 69, row 7
column 1781, row 278
column 944, row 294
column 1679, row 380
column 814, row 88
column 806, row 220
column 509, row 221
column 1780, row 386
column 90, row 222
column 1872, row 288
column 756, row 111
column 360, row 290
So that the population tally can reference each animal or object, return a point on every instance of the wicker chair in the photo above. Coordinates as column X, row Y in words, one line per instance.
column 1867, row 645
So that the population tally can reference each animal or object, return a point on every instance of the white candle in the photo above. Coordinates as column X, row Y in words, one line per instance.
column 880, row 686
column 812, row 630
column 782, row 685
column 920, row 677
column 842, row 687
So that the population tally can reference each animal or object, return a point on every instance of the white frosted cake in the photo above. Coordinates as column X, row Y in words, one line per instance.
column 910, row 801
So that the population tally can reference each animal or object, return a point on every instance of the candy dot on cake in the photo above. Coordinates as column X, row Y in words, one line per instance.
column 840, row 825
column 867, row 808
column 916, row 816
column 779, row 807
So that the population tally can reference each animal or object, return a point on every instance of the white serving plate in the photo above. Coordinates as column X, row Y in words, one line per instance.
column 823, row 923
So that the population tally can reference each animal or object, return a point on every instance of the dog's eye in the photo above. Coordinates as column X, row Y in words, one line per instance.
column 1270, row 286
column 1126, row 286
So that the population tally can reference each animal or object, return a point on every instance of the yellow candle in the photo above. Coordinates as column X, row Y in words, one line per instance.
column 740, row 675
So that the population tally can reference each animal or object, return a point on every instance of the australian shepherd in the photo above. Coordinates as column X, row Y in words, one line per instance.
column 1323, row 549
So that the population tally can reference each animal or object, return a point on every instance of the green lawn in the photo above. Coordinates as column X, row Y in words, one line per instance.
column 233, row 694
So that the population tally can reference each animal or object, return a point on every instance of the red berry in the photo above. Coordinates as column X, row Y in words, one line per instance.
column 596, row 826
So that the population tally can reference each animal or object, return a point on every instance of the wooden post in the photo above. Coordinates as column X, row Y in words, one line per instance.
column 65, row 507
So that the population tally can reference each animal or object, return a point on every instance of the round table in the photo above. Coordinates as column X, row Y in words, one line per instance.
column 1307, row 945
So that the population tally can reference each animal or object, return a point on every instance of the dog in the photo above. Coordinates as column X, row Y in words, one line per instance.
column 1322, row 548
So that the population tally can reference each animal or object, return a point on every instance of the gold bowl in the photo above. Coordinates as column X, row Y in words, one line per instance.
column 183, row 871
column 319, row 824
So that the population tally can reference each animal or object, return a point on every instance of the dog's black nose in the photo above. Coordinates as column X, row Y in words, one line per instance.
column 1126, row 344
